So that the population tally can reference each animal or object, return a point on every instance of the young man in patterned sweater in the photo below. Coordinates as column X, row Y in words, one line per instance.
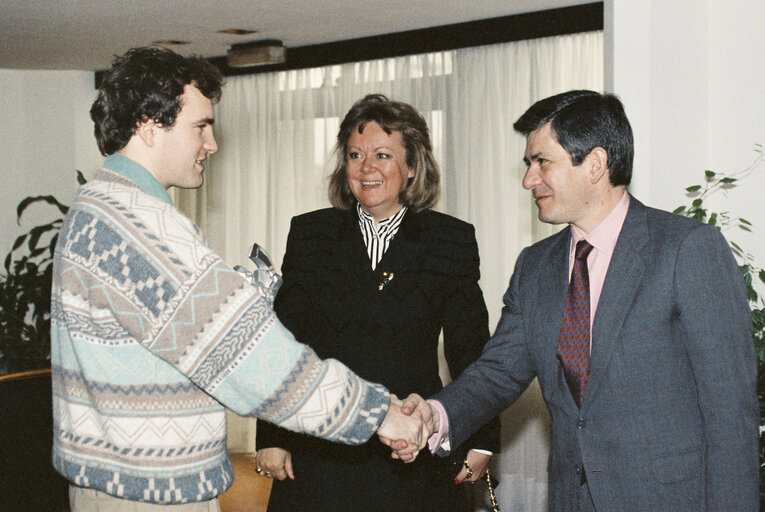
column 152, row 333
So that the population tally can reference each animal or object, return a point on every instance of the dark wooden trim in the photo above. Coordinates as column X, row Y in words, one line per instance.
column 24, row 375
column 532, row 25
column 517, row 27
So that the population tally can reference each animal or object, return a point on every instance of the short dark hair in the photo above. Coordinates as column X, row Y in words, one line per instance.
column 146, row 83
column 582, row 121
column 423, row 189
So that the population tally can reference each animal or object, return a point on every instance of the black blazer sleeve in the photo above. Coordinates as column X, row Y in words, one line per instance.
column 465, row 322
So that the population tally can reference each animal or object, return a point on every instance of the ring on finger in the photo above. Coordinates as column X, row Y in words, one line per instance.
column 469, row 469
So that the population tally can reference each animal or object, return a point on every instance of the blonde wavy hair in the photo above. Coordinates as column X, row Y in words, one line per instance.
column 423, row 189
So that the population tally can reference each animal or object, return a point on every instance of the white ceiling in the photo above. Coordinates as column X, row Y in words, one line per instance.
column 86, row 34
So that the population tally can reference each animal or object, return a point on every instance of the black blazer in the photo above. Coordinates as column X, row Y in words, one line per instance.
column 331, row 300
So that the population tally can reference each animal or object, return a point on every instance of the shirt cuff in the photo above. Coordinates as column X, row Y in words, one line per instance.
column 440, row 440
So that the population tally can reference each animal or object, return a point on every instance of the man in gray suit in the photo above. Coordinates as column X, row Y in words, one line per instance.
column 640, row 336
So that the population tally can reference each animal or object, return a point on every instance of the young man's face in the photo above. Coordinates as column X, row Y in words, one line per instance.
column 181, row 149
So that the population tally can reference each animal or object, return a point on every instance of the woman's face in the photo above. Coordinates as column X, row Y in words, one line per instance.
column 376, row 170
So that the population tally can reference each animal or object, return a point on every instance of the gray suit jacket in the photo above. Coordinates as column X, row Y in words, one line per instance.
column 669, row 421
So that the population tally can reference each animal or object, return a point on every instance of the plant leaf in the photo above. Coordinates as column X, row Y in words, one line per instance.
column 18, row 242
column 693, row 188
column 80, row 178
column 36, row 232
column 31, row 200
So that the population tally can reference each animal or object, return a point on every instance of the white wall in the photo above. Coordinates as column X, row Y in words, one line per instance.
column 45, row 134
column 692, row 78
column 736, row 102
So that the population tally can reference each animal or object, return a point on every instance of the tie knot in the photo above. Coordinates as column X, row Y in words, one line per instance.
column 583, row 249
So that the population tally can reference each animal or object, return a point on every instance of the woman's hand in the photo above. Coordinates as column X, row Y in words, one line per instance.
column 478, row 462
column 274, row 463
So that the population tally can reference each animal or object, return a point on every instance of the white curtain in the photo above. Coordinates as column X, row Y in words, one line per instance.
column 276, row 131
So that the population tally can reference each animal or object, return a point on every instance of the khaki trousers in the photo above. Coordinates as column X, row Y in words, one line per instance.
column 90, row 500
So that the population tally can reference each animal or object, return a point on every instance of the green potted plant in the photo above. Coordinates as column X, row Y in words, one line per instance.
column 25, row 285
column 697, row 209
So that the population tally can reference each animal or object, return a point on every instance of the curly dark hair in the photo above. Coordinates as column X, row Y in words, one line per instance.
column 146, row 83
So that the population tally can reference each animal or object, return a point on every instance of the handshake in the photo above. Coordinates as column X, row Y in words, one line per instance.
column 408, row 426
column 406, row 429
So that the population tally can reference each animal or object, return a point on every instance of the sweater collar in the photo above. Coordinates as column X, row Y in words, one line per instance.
column 138, row 174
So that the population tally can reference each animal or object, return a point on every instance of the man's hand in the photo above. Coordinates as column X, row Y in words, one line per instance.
column 274, row 463
column 414, row 405
column 478, row 462
column 430, row 417
column 404, row 431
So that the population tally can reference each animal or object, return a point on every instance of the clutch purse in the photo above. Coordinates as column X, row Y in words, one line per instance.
column 458, row 460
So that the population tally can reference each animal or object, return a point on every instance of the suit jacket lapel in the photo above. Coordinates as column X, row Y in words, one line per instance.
column 348, row 251
column 404, row 258
column 553, row 285
column 623, row 278
column 343, row 265
column 406, row 246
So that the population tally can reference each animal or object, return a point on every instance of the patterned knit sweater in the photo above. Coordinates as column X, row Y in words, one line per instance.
column 152, row 334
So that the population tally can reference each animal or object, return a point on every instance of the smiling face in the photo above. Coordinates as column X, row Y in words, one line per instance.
column 181, row 149
column 561, row 190
column 376, row 170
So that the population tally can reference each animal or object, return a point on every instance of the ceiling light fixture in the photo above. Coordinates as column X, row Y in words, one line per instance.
column 170, row 42
column 237, row 31
column 256, row 53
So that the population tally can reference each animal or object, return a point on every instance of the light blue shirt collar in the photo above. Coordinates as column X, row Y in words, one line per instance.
column 138, row 174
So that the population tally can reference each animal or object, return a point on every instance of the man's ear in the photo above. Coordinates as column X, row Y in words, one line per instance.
column 146, row 130
column 597, row 164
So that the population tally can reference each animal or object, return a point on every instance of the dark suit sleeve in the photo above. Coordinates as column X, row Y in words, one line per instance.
column 716, row 326
column 292, row 307
column 497, row 378
column 465, row 325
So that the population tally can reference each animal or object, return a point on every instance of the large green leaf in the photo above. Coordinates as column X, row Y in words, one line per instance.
column 36, row 199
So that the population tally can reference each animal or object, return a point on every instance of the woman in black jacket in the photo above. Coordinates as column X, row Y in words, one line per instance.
column 372, row 282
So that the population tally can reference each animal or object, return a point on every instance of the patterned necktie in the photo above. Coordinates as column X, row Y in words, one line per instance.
column 574, row 340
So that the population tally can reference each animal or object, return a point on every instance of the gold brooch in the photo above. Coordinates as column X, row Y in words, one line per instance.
column 387, row 278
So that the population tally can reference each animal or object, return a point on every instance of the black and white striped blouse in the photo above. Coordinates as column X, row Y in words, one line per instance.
column 377, row 238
